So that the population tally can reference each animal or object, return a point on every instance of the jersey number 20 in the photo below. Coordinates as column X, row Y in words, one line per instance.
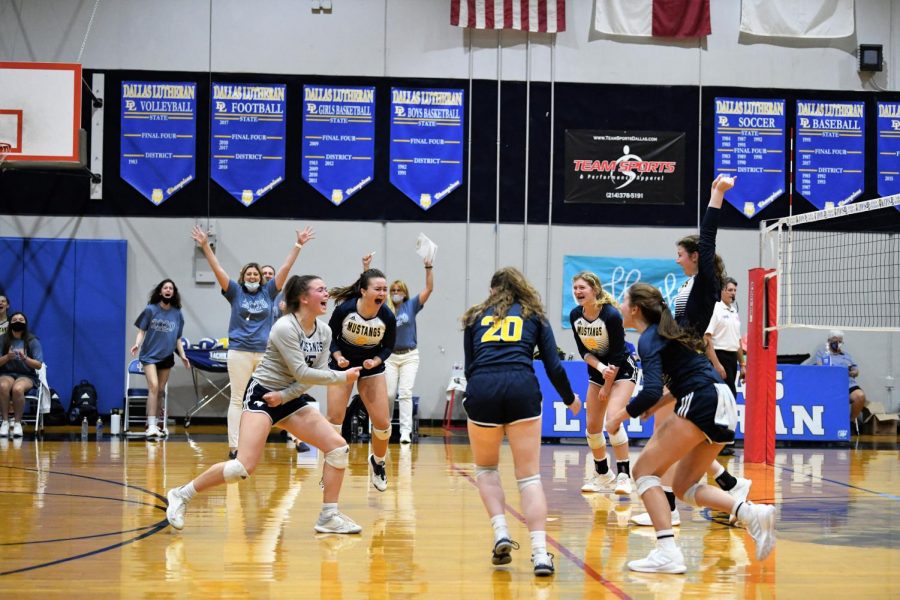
column 507, row 329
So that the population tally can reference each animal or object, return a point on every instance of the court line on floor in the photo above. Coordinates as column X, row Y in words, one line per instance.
column 589, row 570
column 842, row 483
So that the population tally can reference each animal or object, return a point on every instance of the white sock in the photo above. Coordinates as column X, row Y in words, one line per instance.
column 740, row 510
column 151, row 422
column 187, row 492
column 498, row 522
column 665, row 539
column 718, row 469
column 329, row 508
column 538, row 542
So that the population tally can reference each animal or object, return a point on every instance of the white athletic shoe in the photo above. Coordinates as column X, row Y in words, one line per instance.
column 599, row 483
column 623, row 484
column 4, row 428
column 760, row 525
column 543, row 564
column 17, row 430
column 336, row 522
column 660, row 561
column 405, row 438
column 739, row 492
column 153, row 431
column 176, row 508
column 377, row 474
column 643, row 519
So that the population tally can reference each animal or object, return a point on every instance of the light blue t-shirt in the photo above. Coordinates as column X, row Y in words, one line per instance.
column 824, row 356
column 406, row 323
column 251, row 316
column 163, row 327
column 16, row 366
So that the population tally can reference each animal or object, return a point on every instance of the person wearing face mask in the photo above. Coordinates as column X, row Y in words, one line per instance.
column 21, row 356
column 4, row 318
column 160, row 326
column 251, row 303
column 402, row 365
column 833, row 354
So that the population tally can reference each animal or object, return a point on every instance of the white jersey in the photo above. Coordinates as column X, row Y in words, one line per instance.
column 725, row 327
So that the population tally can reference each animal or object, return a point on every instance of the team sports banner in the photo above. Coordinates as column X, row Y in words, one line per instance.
column 618, row 273
column 159, row 125
column 621, row 167
column 248, row 128
column 830, row 151
column 750, row 143
column 426, row 143
column 888, row 148
column 338, row 139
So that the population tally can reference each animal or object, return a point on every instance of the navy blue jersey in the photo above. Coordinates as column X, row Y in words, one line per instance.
column 510, row 341
column 686, row 370
column 359, row 338
column 697, row 299
column 603, row 337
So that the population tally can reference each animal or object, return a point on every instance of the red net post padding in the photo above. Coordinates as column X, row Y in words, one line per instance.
column 762, row 358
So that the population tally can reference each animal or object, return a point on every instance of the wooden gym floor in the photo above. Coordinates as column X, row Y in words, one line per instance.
column 87, row 519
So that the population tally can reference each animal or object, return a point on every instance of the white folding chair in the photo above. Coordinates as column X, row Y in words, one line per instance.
column 39, row 397
column 136, row 400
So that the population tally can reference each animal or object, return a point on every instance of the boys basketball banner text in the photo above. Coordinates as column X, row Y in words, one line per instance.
column 426, row 143
column 338, row 139
column 750, row 142
column 248, row 129
column 159, row 126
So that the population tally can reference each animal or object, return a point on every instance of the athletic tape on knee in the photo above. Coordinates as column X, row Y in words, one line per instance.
column 645, row 482
column 479, row 470
column 382, row 434
column 691, row 493
column 595, row 440
column 234, row 471
column 620, row 437
column 338, row 458
column 527, row 481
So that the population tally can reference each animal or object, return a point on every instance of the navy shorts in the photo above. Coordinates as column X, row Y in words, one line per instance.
column 501, row 395
column 627, row 372
column 166, row 363
column 363, row 373
column 712, row 409
column 253, row 402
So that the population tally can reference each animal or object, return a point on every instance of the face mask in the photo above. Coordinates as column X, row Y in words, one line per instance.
column 835, row 346
column 251, row 287
column 397, row 298
column 165, row 300
column 18, row 327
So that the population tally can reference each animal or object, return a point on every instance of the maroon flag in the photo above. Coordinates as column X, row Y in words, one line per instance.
column 546, row 16
column 658, row 18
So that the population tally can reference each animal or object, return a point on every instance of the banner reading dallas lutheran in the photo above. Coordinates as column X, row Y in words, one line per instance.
column 338, row 139
column 750, row 143
column 248, row 128
column 889, row 148
column 622, row 167
column 830, row 151
column 159, row 125
column 426, row 143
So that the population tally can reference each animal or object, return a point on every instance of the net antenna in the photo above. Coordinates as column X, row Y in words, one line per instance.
column 837, row 268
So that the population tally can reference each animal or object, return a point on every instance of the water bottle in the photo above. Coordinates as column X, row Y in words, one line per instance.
column 115, row 423
column 826, row 360
column 99, row 429
column 84, row 429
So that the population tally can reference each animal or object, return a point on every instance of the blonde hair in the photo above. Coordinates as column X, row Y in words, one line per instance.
column 603, row 297
column 403, row 287
column 508, row 286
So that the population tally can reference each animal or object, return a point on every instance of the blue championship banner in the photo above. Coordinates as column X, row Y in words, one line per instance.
column 750, row 143
column 811, row 404
column 888, row 148
column 248, row 128
column 830, row 151
column 426, row 143
column 617, row 274
column 159, row 125
column 338, row 139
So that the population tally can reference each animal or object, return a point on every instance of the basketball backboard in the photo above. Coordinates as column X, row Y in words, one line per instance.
column 40, row 111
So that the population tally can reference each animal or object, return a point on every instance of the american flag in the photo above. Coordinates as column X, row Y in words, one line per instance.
column 546, row 16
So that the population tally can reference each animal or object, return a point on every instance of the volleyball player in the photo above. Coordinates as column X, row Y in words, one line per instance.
column 364, row 331
column 705, row 419
column 694, row 305
column 600, row 337
column 503, row 396
column 295, row 359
